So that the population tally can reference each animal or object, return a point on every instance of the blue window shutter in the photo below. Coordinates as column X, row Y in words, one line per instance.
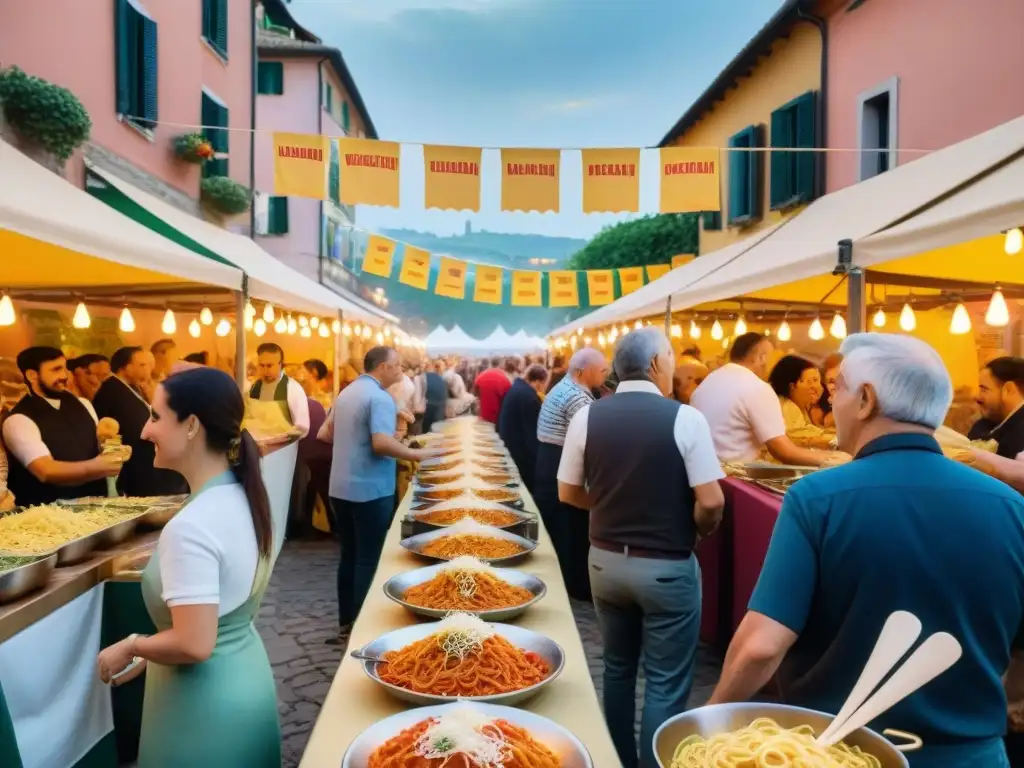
column 806, row 163
column 150, row 78
column 755, row 174
column 221, row 30
column 122, row 56
column 781, row 188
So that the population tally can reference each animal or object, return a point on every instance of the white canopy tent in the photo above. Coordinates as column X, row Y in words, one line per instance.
column 455, row 340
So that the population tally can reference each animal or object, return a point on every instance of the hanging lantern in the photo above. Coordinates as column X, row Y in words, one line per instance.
column 268, row 313
column 784, row 333
column 194, row 329
column 223, row 327
column 961, row 320
column 126, row 323
column 206, row 316
column 879, row 319
column 908, row 320
column 81, row 317
column 7, row 315
column 694, row 330
column 259, row 326
column 1014, row 242
column 838, row 327
column 281, row 326
column 997, row 314
column 741, row 326
column 169, row 324
column 323, row 330
column 717, row 332
column 816, row 332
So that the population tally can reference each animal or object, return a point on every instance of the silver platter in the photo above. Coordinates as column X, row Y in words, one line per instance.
column 521, row 517
column 415, row 544
column 396, row 587
column 19, row 581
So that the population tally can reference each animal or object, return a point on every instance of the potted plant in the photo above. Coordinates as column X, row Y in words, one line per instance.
column 225, row 196
column 43, row 116
column 193, row 148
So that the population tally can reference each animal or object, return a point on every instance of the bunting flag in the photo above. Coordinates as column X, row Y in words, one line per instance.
column 563, row 289
column 600, row 287
column 300, row 165
column 630, row 279
column 369, row 172
column 526, row 289
column 689, row 179
column 654, row 271
column 489, row 284
column 611, row 180
column 451, row 278
column 682, row 258
column 452, row 177
column 415, row 268
column 380, row 252
column 530, row 179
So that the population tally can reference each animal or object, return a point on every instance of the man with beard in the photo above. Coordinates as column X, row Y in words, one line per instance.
column 51, row 436
column 1000, row 397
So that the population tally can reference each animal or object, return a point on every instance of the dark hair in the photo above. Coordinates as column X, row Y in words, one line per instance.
column 84, row 361
column 495, row 362
column 1004, row 369
column 160, row 345
column 511, row 365
column 213, row 397
column 744, row 345
column 787, row 372
column 199, row 358
column 75, row 363
column 558, row 362
column 32, row 358
column 375, row 358
column 122, row 358
column 270, row 348
column 694, row 352
column 536, row 373
column 317, row 367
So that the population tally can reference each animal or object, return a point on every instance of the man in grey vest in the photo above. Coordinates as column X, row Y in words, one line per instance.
column 274, row 386
column 645, row 467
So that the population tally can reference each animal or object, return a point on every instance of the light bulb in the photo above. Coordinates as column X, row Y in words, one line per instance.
column 223, row 327
column 281, row 326
column 838, row 327
column 367, row 332
column 694, row 330
column 677, row 331
column 784, row 334
column 716, row 330
column 336, row 327
column 7, row 316
column 961, row 321
column 879, row 319
column 358, row 330
column 206, row 316
column 323, row 330
column 259, row 326
column 169, row 325
column 81, row 317
column 194, row 329
column 303, row 321
column 292, row 326
column 586, row 340
column 725, row 343
column 1014, row 241
column 250, row 310
column 908, row 320
column 268, row 313
column 579, row 331
column 379, row 338
column 126, row 322
column 387, row 333
column 601, row 339
column 638, row 325
column 816, row 332
column 314, row 322
column 305, row 332
column 346, row 329
column 741, row 326
column 997, row 314
column 248, row 321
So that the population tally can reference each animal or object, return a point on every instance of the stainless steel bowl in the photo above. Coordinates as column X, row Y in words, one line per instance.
column 526, row 639
column 521, row 517
column 415, row 544
column 117, row 533
column 77, row 550
column 19, row 581
column 570, row 750
column 720, row 718
column 396, row 587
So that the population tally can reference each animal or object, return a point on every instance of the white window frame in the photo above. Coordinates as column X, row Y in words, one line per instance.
column 891, row 87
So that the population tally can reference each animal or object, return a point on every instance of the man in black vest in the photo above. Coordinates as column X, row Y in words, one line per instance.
column 51, row 440
column 274, row 386
column 645, row 467
column 436, row 393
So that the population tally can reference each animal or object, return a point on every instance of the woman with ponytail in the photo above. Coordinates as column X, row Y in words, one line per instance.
column 210, row 697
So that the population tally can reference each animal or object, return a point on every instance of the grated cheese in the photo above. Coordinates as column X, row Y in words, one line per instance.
column 464, row 731
column 459, row 634
column 466, row 563
column 469, row 525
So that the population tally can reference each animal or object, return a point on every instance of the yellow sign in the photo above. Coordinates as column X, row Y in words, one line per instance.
column 689, row 179
column 379, row 254
column 415, row 268
column 631, row 278
column 489, row 283
column 369, row 172
column 600, row 287
column 654, row 271
column 563, row 289
column 611, row 180
column 683, row 258
column 300, row 165
column 526, row 289
column 530, row 179
column 452, row 177
column 451, row 279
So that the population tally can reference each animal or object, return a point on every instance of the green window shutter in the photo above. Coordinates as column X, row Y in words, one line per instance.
column 806, row 163
column 755, row 174
column 123, row 58
column 712, row 221
column 334, row 174
column 344, row 116
column 739, row 170
column 208, row 23
column 277, row 216
column 782, row 191
column 214, row 117
column 221, row 29
column 328, row 97
column 150, row 78
column 270, row 78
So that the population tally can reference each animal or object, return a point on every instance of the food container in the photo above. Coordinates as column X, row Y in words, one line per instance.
column 420, row 514
column 570, row 750
column 721, row 718
column 77, row 550
column 117, row 533
column 415, row 543
column 763, row 470
column 396, row 587
column 19, row 581
column 525, row 639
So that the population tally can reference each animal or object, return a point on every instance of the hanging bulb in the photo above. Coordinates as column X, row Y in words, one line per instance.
column 816, row 332
column 838, row 327
column 314, row 322
column 725, row 343
column 346, row 329
column 194, row 329
column 259, row 326
column 601, row 340
column 303, row 321
column 323, row 330
column 716, row 330
column 638, row 325
column 586, row 340
column 879, row 319
column 677, row 331
column 293, row 326
column 387, row 333
column 7, row 316
column 694, row 330
column 367, row 332
column 908, row 320
column 379, row 338
column 336, row 327
column 784, row 334
column 248, row 321
column 250, row 310
column 81, row 318
column 223, row 327
column 305, row 332
column 358, row 330
column 169, row 325
column 613, row 334
column 206, row 316
column 268, row 313
column 997, row 314
column 1014, row 241
column 126, row 323
column 741, row 326
column 961, row 321
column 281, row 326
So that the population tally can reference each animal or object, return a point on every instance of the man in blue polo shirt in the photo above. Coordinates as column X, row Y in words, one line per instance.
column 899, row 528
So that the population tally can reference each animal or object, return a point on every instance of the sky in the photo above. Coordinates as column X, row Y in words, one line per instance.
column 528, row 73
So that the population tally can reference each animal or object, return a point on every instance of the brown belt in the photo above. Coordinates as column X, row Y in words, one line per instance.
column 649, row 554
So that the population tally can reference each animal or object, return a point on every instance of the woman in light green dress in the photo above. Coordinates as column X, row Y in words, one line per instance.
column 210, row 696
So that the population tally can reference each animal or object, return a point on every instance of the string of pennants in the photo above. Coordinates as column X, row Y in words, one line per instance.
column 368, row 172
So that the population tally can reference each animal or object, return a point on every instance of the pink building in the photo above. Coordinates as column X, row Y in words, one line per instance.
column 916, row 75
column 145, row 69
column 303, row 86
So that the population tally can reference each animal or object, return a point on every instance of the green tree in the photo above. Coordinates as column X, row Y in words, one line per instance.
column 653, row 239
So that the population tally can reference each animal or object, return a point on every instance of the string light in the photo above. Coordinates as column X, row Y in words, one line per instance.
column 1014, row 242
column 281, row 326
column 677, row 331
column 169, row 324
column 879, row 319
column 601, row 340
column 367, row 332
column 379, row 338
column 250, row 310
column 838, row 327
column 336, row 327
column 716, row 330
column 997, row 314
column 314, row 322
column 908, row 320
column 816, row 332
column 268, row 313
column 741, row 326
column 81, row 317
column 357, row 331
column 247, row 321
column 347, row 330
column 323, row 330
column 126, row 323
column 223, row 327
column 305, row 332
column 694, row 330
column 292, row 326
column 7, row 314
column 961, row 320
column 784, row 333
column 206, row 316
column 303, row 321
column 259, row 326
column 638, row 325
column 194, row 329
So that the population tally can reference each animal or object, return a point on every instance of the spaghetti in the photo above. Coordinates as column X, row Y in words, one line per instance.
column 464, row 658
column 431, row 480
column 495, row 494
column 496, row 517
column 763, row 744
column 43, row 529
column 495, row 478
column 444, row 466
column 459, row 544
column 467, row 584
column 441, row 494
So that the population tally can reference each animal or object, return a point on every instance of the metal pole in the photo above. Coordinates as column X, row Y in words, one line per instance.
column 855, row 299
column 668, row 317
column 241, row 299
column 338, row 339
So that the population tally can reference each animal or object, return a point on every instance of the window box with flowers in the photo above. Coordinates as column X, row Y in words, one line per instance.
column 193, row 148
column 46, row 118
column 225, row 196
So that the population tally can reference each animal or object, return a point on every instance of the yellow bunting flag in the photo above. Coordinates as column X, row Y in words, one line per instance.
column 369, row 172
column 683, row 258
column 526, row 289
column 563, row 290
column 300, row 165
column 451, row 279
column 489, row 284
column 529, row 179
column 415, row 268
column 452, row 177
column 631, row 278
column 654, row 271
column 689, row 179
column 379, row 254
column 600, row 287
column 611, row 180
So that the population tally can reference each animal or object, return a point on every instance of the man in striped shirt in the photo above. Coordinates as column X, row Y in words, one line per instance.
column 567, row 526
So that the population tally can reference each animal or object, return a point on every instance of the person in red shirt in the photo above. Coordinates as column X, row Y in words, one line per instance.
column 492, row 385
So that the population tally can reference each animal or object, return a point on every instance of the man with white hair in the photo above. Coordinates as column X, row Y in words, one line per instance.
column 901, row 527
column 645, row 467
column 566, row 525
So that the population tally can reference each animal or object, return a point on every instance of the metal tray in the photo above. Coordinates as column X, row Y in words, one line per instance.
column 117, row 533
column 19, row 581
column 77, row 550
column 526, row 639
column 569, row 749
column 417, row 512
column 414, row 543
column 397, row 585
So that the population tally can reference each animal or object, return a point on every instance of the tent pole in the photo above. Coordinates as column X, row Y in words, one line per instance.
column 336, row 380
column 855, row 284
column 668, row 317
column 241, row 299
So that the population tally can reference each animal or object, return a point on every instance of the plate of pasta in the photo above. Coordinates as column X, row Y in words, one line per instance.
column 465, row 584
column 468, row 537
column 466, row 735
column 463, row 657
column 446, row 514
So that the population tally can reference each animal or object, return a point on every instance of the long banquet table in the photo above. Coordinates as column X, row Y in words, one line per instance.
column 354, row 702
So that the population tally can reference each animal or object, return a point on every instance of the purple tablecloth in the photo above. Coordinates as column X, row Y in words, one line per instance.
column 754, row 512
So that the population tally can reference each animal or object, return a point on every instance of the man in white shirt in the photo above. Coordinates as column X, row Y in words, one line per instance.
column 274, row 386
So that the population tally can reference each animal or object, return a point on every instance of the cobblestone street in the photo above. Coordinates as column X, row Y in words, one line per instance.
column 298, row 615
